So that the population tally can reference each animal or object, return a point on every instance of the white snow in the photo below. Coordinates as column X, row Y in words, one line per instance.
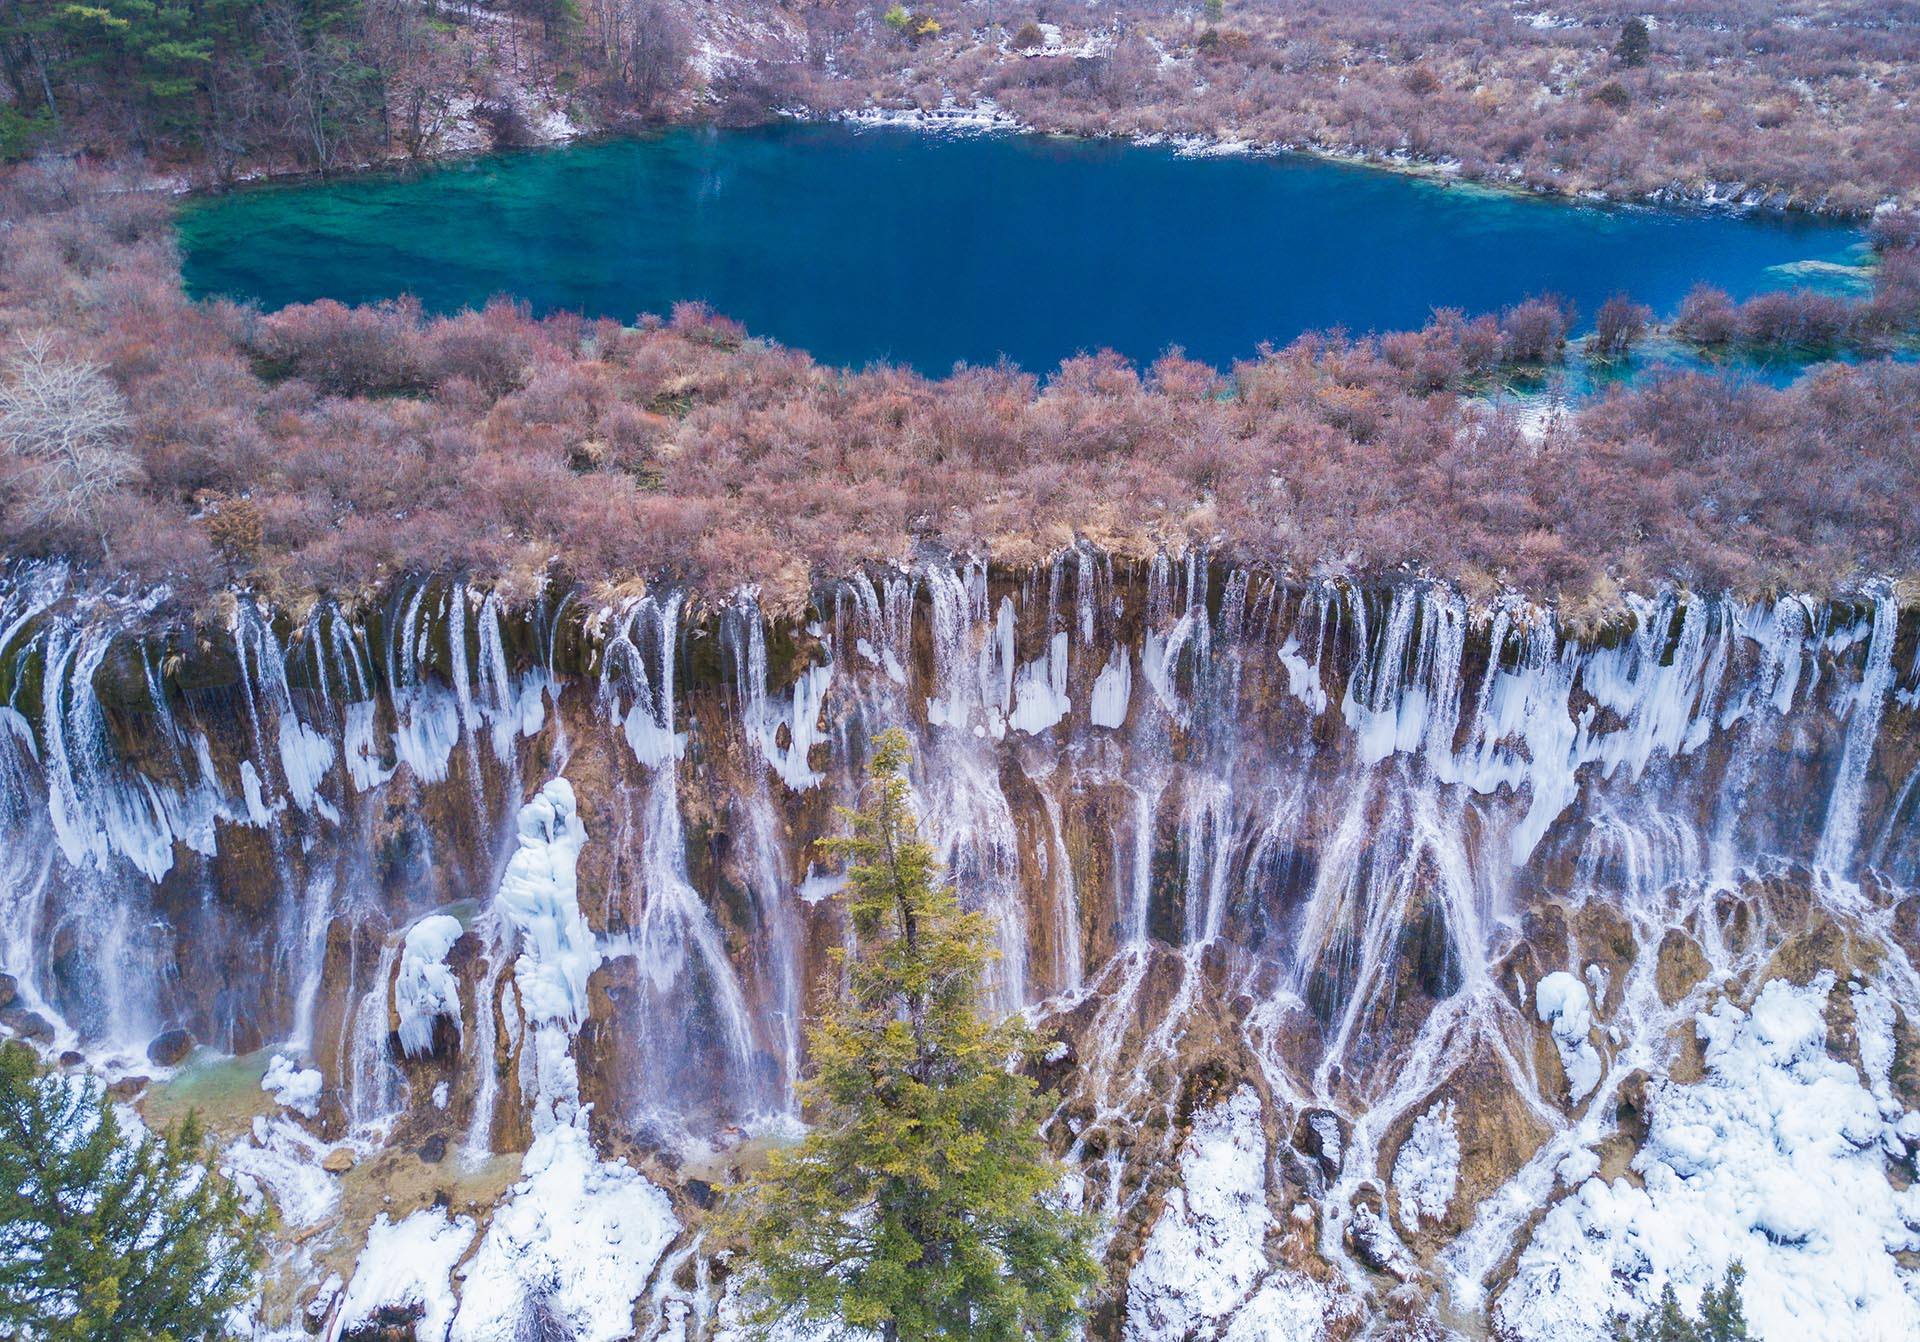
column 1563, row 1005
column 425, row 988
column 1427, row 1170
column 296, row 1087
column 584, row 1233
column 1205, row 1252
column 1775, row 1160
column 408, row 1266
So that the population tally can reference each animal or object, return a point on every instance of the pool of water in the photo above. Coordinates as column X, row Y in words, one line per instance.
column 882, row 244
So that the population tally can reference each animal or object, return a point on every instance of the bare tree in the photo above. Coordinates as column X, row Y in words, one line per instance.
column 65, row 423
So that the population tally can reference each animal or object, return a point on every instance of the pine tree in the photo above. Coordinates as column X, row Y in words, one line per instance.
column 107, row 1235
column 1634, row 46
column 923, row 1204
column 1722, row 1317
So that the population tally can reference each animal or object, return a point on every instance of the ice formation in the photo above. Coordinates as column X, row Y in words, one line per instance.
column 539, row 897
column 1427, row 1170
column 425, row 988
column 1562, row 1003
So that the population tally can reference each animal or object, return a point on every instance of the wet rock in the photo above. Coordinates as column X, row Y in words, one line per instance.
column 1322, row 1135
column 72, row 1058
column 1632, row 1109
column 321, row 1304
column 700, row 1193
column 1681, row 966
column 126, row 1088
column 9, row 989
column 1370, row 1239
column 434, row 1149
column 1905, row 928
column 27, row 1024
column 170, row 1047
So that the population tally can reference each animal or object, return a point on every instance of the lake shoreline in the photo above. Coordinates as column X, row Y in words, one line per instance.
column 985, row 117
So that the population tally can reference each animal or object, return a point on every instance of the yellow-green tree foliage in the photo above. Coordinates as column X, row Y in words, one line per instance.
column 923, row 1203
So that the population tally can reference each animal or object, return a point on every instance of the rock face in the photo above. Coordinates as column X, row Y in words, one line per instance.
column 1371, row 926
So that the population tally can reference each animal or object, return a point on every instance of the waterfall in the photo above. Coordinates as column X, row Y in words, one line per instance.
column 1202, row 808
column 376, row 1089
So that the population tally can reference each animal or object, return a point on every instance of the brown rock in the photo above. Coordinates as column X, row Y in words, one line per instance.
column 27, row 1024
column 9, row 989
column 170, row 1047
column 339, row 1160
column 1681, row 967
column 1498, row 1133
column 126, row 1088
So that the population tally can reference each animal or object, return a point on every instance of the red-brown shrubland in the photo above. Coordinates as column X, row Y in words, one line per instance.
column 326, row 448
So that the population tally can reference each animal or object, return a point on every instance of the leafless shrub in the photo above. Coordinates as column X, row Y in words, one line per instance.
column 63, row 425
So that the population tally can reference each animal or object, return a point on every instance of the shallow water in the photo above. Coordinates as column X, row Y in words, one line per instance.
column 869, row 244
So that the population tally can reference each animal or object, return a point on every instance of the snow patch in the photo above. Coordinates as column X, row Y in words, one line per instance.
column 1564, row 1007
column 1775, row 1159
column 1206, row 1258
column 580, row 1234
column 296, row 1087
column 407, row 1267
column 283, row 1163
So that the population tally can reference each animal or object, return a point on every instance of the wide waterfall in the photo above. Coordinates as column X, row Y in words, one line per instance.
column 1369, row 921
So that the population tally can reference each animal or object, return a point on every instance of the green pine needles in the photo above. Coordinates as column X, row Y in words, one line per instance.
column 105, row 1235
column 923, row 1203
column 1722, row 1316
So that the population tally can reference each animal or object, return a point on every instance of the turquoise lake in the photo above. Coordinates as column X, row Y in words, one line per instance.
column 861, row 245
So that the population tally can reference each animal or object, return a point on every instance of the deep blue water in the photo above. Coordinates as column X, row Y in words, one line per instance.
column 861, row 245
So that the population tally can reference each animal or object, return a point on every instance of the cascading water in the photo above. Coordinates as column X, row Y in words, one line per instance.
column 1306, row 826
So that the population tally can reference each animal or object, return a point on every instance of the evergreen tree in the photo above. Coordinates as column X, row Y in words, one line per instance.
column 923, row 1204
column 1635, row 44
column 1722, row 1317
column 106, row 1235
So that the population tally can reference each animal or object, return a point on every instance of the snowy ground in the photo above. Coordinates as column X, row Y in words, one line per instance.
column 1778, row 1159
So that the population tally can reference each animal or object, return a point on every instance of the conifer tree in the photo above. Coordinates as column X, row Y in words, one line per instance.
column 923, row 1203
column 108, row 1235
column 1635, row 44
column 1722, row 1316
